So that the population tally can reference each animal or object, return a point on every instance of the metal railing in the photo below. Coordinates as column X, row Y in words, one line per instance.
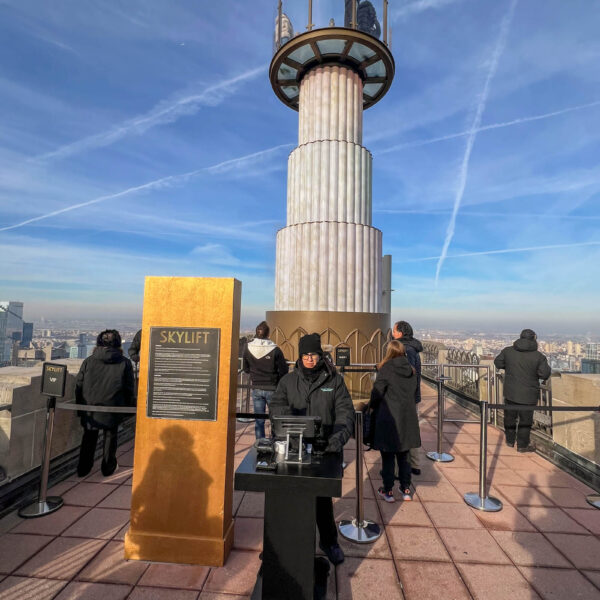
column 464, row 374
column 371, row 19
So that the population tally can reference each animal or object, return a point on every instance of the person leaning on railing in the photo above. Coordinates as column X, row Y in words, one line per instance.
column 523, row 366
column 104, row 379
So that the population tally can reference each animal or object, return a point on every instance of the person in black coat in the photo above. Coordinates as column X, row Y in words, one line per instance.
column 395, row 420
column 403, row 332
column 134, row 348
column 314, row 389
column 523, row 366
column 104, row 379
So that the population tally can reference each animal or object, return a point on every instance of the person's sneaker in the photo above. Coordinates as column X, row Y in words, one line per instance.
column 334, row 553
column 529, row 448
column 510, row 444
column 406, row 494
column 387, row 496
column 415, row 471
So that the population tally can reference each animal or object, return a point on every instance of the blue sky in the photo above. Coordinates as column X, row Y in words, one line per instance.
column 143, row 138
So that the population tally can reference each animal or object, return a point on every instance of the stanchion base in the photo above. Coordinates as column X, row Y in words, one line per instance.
column 487, row 504
column 366, row 532
column 594, row 500
column 39, row 509
column 440, row 457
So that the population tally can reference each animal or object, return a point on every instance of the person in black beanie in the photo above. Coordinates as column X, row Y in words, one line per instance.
column 313, row 388
column 523, row 366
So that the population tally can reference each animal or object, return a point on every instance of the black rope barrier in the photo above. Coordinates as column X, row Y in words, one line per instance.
column 94, row 408
column 251, row 415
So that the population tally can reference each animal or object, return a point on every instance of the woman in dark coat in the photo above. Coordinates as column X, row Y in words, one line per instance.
column 396, row 424
column 104, row 379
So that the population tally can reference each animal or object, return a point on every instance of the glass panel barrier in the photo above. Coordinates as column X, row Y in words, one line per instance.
column 294, row 17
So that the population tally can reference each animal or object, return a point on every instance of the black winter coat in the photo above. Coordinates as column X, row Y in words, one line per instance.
column 105, row 379
column 413, row 347
column 326, row 397
column 524, row 366
column 395, row 421
column 266, row 371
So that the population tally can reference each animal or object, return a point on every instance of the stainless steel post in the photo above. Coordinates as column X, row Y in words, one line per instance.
column 480, row 500
column 279, row 15
column 440, row 456
column 385, row 22
column 44, row 505
column 310, row 23
column 594, row 500
column 359, row 529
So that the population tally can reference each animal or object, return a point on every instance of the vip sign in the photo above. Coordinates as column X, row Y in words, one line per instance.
column 54, row 379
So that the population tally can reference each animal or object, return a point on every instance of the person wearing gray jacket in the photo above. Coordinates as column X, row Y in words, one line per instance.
column 523, row 366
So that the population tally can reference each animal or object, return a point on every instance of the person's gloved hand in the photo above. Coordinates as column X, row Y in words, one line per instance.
column 334, row 445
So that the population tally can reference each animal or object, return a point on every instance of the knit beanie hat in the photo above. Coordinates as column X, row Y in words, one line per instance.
column 310, row 343
column 528, row 334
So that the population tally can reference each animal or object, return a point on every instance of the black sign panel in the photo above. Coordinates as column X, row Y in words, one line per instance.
column 342, row 356
column 183, row 373
column 54, row 378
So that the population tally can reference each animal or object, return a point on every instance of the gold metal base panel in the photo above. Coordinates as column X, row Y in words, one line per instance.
column 364, row 333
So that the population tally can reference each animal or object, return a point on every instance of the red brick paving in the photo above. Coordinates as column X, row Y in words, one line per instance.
column 544, row 544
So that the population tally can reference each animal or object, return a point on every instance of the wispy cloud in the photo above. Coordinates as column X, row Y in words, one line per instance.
column 502, row 251
column 484, row 214
column 452, row 136
column 464, row 168
column 413, row 8
column 164, row 182
column 164, row 112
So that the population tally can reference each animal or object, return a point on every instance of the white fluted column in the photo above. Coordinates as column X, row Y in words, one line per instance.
column 329, row 255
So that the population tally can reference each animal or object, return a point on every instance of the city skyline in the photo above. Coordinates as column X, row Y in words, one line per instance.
column 147, row 141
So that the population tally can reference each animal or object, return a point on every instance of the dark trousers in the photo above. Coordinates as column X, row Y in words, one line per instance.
column 326, row 522
column 388, row 468
column 522, row 432
column 88, row 449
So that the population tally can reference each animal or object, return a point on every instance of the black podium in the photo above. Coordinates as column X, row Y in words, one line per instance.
column 290, row 512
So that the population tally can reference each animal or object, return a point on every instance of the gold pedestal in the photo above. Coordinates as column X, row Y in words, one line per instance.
column 181, row 507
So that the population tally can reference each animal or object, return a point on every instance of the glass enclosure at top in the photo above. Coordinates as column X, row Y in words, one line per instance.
column 300, row 16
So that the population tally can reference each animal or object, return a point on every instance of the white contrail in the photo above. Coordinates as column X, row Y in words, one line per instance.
column 464, row 169
column 504, row 251
column 472, row 213
column 154, row 185
column 452, row 136
column 163, row 113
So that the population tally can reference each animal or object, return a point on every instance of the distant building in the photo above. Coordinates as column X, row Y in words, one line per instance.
column 27, row 334
column 74, row 352
column 11, row 321
column 592, row 350
column 590, row 365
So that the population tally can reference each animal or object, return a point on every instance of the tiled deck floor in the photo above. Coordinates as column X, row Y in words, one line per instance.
column 545, row 543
